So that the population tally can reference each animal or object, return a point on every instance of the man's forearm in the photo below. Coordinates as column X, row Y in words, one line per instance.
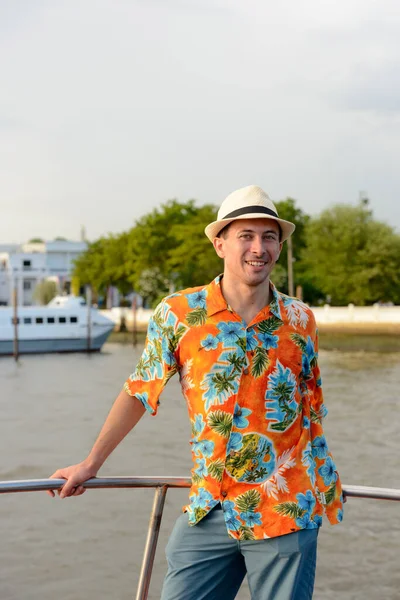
column 123, row 416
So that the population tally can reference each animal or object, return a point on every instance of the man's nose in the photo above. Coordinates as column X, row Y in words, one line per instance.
column 257, row 246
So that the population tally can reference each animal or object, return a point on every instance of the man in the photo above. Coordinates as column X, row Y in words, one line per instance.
column 247, row 360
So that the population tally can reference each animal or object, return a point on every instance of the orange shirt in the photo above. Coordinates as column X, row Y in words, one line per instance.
column 255, row 402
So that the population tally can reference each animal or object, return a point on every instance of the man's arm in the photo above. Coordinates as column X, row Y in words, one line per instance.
column 123, row 416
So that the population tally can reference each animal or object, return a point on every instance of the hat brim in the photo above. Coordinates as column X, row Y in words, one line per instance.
column 213, row 229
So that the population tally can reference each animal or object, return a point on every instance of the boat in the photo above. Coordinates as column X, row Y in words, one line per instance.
column 66, row 324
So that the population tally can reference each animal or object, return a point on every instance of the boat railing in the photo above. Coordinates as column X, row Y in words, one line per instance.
column 161, row 485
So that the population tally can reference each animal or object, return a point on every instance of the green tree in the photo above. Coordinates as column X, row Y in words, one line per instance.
column 193, row 258
column 351, row 257
column 288, row 210
column 152, row 285
column 154, row 236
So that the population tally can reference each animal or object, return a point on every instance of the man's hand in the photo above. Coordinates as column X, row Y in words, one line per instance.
column 74, row 475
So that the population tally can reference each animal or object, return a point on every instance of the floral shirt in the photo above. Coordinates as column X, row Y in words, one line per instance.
column 255, row 403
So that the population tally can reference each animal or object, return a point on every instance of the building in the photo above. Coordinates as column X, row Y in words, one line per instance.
column 24, row 266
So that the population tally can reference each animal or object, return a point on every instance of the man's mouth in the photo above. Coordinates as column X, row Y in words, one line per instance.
column 256, row 263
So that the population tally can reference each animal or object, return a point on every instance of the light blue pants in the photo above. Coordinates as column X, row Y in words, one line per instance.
column 204, row 563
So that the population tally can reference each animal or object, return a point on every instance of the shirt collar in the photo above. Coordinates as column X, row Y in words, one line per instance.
column 216, row 302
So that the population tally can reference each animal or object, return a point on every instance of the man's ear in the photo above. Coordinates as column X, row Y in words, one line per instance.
column 218, row 244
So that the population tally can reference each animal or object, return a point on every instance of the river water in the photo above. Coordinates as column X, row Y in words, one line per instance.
column 90, row 547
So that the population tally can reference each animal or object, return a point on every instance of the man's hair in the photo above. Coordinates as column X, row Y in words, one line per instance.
column 224, row 231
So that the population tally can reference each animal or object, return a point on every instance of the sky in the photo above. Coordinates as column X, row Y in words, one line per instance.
column 108, row 109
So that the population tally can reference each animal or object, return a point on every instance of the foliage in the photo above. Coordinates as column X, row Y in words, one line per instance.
column 167, row 245
column 216, row 469
column 288, row 211
column 248, row 501
column 220, row 422
column 289, row 509
column 44, row 292
column 152, row 285
column 343, row 255
column 36, row 240
column 351, row 257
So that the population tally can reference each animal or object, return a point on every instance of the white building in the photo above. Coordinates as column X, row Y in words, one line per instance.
column 27, row 265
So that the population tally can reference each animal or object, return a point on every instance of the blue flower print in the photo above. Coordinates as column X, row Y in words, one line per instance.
column 202, row 447
column 306, row 422
column 251, row 340
column 268, row 340
column 144, row 400
column 339, row 515
column 306, row 501
column 307, row 358
column 167, row 354
column 328, row 471
column 230, row 332
column 201, row 499
column 210, row 342
column 251, row 518
column 199, row 423
column 207, row 448
column 305, row 522
column 235, row 442
column 239, row 415
column 232, row 522
column 317, row 520
column 320, row 447
column 229, row 508
column 201, row 470
column 197, row 299
column 152, row 331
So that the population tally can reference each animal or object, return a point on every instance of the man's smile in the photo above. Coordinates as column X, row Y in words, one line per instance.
column 256, row 263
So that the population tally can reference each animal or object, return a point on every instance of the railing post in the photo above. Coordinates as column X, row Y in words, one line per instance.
column 151, row 543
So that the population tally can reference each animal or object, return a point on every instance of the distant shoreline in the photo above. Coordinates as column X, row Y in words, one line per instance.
column 345, row 337
column 389, row 329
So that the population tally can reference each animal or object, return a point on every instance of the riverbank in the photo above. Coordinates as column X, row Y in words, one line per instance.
column 353, row 339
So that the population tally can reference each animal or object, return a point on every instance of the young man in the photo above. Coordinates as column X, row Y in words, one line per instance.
column 247, row 359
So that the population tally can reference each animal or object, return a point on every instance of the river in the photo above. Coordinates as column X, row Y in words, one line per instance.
column 90, row 547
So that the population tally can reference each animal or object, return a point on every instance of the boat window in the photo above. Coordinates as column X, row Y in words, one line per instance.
column 73, row 319
column 62, row 319
column 12, row 320
column 39, row 319
column 27, row 320
column 51, row 320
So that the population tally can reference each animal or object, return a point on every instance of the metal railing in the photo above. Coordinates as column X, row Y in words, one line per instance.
column 162, row 484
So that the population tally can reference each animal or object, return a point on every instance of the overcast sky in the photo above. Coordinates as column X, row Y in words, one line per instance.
column 110, row 107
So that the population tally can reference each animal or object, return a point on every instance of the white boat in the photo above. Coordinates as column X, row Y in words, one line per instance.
column 60, row 326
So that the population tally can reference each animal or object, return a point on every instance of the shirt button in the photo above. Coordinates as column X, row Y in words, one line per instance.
column 224, row 494
column 246, row 371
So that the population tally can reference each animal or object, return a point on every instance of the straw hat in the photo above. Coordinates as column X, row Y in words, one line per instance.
column 250, row 202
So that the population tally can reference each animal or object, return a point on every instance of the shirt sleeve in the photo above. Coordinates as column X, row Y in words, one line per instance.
column 328, row 483
column 158, row 361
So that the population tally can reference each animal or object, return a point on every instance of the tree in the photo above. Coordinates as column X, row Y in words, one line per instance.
column 153, row 237
column 36, row 240
column 351, row 257
column 193, row 259
column 288, row 211
column 152, row 285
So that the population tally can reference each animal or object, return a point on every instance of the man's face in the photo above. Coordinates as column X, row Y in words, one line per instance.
column 250, row 249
